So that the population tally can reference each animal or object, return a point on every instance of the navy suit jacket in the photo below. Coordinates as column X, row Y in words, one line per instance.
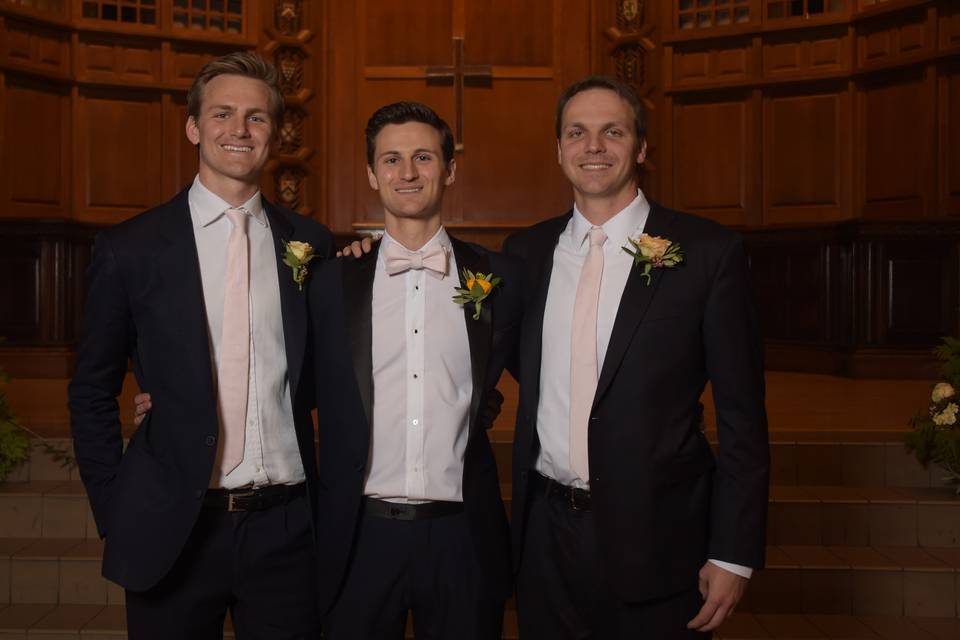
column 145, row 304
column 340, row 311
column 662, row 504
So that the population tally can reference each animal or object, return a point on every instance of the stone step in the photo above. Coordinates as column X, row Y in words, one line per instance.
column 94, row 622
column 838, row 515
column 54, row 571
column 862, row 516
column 799, row 579
column 860, row 581
column 45, row 509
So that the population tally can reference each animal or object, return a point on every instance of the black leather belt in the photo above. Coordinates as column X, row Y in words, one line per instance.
column 576, row 499
column 406, row 511
column 251, row 499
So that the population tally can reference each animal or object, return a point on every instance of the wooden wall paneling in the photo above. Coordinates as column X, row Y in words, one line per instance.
column 179, row 155
column 118, row 60
column 901, row 38
column 806, row 168
column 343, row 124
column 949, row 26
column 727, row 61
column 712, row 156
column 20, row 295
column 32, row 47
column 36, row 121
column 805, row 54
column 894, row 120
column 121, row 172
column 949, row 140
column 918, row 301
column 519, row 55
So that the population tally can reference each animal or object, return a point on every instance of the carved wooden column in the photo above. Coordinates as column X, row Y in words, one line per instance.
column 287, row 47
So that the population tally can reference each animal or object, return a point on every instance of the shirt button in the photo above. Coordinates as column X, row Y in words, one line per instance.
column 415, row 422
column 210, row 440
column 414, row 376
column 416, row 330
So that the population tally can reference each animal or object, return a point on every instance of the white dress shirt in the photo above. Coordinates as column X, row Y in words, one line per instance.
column 553, row 411
column 422, row 383
column 270, row 451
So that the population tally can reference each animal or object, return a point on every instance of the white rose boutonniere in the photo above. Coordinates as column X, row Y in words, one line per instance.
column 654, row 252
column 297, row 255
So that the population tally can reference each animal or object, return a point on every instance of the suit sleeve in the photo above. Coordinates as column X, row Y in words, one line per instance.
column 510, row 249
column 106, row 340
column 734, row 360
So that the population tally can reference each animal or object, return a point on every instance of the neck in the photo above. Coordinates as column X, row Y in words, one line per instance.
column 599, row 209
column 412, row 233
column 233, row 192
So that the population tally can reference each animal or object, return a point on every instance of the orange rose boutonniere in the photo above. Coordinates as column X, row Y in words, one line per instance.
column 478, row 287
column 654, row 252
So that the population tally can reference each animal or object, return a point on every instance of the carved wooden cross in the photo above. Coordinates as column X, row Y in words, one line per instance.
column 460, row 75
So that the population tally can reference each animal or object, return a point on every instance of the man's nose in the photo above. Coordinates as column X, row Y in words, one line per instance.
column 409, row 170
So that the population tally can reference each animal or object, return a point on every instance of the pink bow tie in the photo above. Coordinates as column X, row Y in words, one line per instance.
column 399, row 259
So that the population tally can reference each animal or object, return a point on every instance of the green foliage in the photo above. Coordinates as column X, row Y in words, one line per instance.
column 934, row 443
column 14, row 443
column 15, row 439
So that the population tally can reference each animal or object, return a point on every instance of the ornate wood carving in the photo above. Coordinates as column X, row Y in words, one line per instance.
column 287, row 45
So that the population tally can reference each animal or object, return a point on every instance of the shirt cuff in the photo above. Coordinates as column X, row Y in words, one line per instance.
column 740, row 570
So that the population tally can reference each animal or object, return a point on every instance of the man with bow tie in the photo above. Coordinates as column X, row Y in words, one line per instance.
column 408, row 481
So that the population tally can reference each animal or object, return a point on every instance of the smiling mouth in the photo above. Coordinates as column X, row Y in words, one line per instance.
column 595, row 166
column 409, row 190
column 236, row 148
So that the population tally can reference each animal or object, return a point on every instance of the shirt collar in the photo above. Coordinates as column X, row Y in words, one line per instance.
column 628, row 223
column 209, row 207
column 441, row 237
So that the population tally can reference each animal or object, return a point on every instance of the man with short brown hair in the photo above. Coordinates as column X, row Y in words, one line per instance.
column 210, row 508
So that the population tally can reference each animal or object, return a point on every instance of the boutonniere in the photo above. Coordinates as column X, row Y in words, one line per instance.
column 297, row 255
column 479, row 286
column 654, row 252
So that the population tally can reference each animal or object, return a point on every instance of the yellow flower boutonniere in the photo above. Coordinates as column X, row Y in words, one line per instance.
column 479, row 286
column 654, row 252
column 297, row 255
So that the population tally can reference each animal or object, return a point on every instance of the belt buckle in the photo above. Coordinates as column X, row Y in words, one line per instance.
column 232, row 503
column 576, row 504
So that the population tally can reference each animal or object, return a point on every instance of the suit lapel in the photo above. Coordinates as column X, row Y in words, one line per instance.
column 292, row 301
column 636, row 299
column 541, row 254
column 180, row 266
column 479, row 332
column 358, row 277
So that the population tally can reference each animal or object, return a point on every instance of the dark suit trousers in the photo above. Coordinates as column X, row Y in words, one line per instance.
column 428, row 567
column 562, row 594
column 261, row 565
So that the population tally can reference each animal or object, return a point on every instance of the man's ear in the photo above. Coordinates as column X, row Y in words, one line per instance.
column 451, row 172
column 559, row 154
column 372, row 179
column 642, row 154
column 192, row 130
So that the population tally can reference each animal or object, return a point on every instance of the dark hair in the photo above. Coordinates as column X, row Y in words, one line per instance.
column 402, row 112
column 239, row 63
column 619, row 87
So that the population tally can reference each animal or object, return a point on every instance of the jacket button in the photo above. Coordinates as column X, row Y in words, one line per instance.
column 210, row 440
column 199, row 493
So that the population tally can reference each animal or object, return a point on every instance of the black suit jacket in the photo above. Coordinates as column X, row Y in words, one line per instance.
column 145, row 304
column 662, row 504
column 340, row 310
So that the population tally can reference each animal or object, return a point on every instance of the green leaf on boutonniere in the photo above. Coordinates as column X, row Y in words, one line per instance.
column 478, row 287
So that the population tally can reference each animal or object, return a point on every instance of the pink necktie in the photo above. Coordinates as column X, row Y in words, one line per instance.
column 399, row 259
column 234, row 372
column 583, row 353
